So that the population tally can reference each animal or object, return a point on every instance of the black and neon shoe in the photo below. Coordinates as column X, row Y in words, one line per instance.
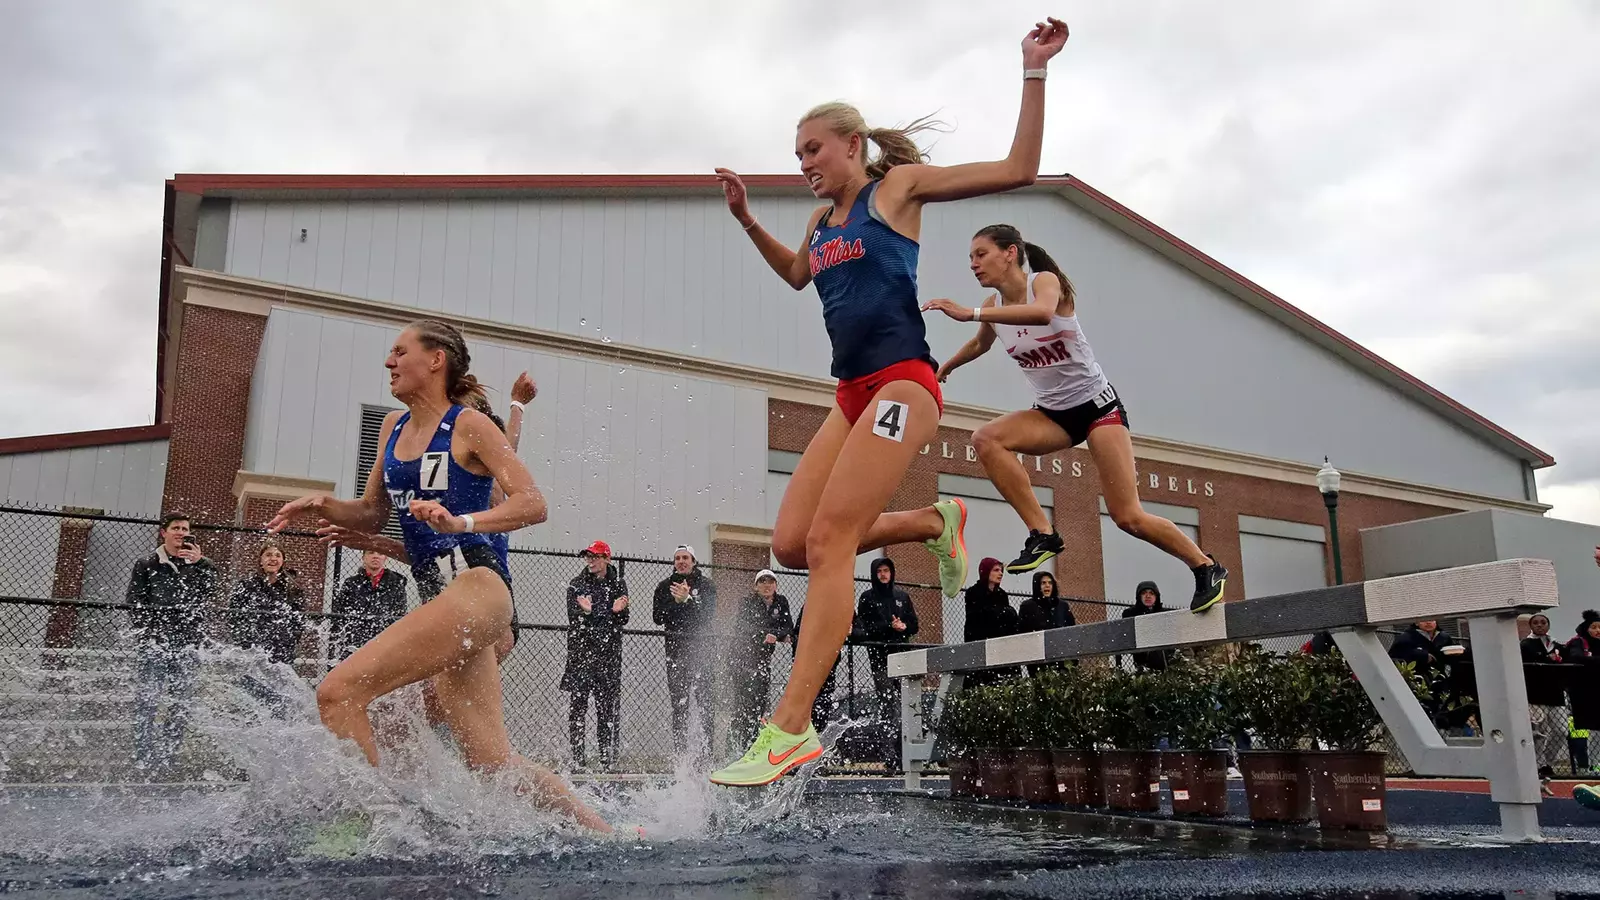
column 1209, row 582
column 1586, row 796
column 1038, row 548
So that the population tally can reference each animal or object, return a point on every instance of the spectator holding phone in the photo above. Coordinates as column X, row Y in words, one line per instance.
column 168, row 593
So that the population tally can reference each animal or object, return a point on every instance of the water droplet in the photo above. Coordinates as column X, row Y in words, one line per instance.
column 466, row 643
column 605, row 340
column 583, row 321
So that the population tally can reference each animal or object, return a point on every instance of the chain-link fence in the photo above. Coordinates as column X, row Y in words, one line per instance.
column 68, row 669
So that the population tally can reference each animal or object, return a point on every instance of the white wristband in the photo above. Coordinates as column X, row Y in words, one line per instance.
column 520, row 405
column 470, row 524
column 977, row 314
column 1034, row 73
column 753, row 223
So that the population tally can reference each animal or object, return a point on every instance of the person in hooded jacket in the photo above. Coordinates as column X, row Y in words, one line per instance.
column 685, row 605
column 764, row 623
column 1147, row 601
column 597, row 610
column 267, row 611
column 1046, row 609
column 885, row 615
column 989, row 615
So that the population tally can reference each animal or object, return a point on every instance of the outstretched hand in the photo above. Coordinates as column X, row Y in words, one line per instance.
column 331, row 535
column 294, row 509
column 738, row 199
column 950, row 308
column 1043, row 42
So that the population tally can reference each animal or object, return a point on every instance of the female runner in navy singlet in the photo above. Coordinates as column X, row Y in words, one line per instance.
column 1034, row 312
column 861, row 252
column 440, row 462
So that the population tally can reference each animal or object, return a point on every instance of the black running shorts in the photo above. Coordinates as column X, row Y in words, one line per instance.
column 1104, row 409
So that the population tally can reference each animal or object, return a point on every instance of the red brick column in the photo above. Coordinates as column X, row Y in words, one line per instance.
column 216, row 360
column 72, row 552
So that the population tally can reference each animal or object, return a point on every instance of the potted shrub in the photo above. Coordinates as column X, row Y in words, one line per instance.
column 1349, row 775
column 1001, row 732
column 1069, row 724
column 1193, row 721
column 960, row 729
column 1030, row 757
column 1271, row 696
column 1131, row 770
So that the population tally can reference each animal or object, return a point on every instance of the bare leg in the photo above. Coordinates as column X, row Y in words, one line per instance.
column 866, row 471
column 1112, row 449
column 463, row 621
column 470, row 698
column 800, row 501
column 1028, row 431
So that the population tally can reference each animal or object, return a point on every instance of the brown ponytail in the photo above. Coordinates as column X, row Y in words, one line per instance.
column 896, row 146
column 1005, row 236
column 461, row 386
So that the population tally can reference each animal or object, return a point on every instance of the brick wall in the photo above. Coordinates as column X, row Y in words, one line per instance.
column 72, row 550
column 1077, row 515
column 215, row 363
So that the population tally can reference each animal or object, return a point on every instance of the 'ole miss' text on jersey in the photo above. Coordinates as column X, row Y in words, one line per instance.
column 866, row 275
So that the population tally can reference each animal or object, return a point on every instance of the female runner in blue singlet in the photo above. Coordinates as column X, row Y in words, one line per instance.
column 861, row 252
column 438, row 469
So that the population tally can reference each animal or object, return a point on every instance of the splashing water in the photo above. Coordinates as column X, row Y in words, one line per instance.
column 276, row 779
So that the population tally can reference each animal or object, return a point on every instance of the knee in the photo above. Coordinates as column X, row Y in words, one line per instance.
column 1130, row 520
column 335, row 695
column 790, row 553
column 827, row 546
column 987, row 441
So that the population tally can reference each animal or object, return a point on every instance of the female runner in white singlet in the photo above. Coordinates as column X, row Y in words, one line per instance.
column 1034, row 313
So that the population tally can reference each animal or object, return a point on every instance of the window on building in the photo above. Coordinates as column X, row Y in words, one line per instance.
column 367, row 455
column 1281, row 557
column 1127, row 560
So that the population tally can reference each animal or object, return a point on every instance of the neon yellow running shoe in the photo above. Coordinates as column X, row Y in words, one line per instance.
column 774, row 753
column 951, row 547
column 343, row 838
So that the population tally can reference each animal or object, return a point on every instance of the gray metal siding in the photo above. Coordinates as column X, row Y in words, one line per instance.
column 211, row 234
column 641, row 459
column 122, row 478
column 677, row 274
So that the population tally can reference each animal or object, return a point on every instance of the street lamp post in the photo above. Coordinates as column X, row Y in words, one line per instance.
column 1328, row 484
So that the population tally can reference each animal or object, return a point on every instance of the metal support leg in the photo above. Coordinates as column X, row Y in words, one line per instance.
column 914, row 745
column 1506, row 755
column 1510, row 759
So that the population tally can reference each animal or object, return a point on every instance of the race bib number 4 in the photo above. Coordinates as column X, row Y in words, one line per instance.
column 890, row 420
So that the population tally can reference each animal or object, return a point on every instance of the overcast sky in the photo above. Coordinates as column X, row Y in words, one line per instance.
column 1424, row 177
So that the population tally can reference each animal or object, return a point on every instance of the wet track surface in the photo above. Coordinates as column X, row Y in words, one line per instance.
column 833, row 845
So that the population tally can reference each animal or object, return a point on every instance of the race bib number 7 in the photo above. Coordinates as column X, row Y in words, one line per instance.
column 890, row 420
column 435, row 475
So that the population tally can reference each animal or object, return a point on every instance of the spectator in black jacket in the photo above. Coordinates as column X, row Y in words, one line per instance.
column 267, row 609
column 1585, row 644
column 764, row 622
column 1046, row 609
column 366, row 603
column 989, row 615
column 684, row 605
column 168, row 594
column 1538, row 647
column 1147, row 600
column 597, row 610
column 886, row 615
column 1429, row 649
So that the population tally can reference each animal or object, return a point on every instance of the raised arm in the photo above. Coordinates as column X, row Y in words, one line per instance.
column 368, row 513
column 793, row 267
column 918, row 184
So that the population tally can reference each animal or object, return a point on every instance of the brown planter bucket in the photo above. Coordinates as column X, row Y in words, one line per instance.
column 1036, row 779
column 997, row 778
column 963, row 776
column 1276, row 785
column 1199, row 782
column 1132, row 779
column 1351, row 790
column 1078, row 777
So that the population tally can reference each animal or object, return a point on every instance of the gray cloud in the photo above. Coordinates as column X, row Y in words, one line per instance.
column 1419, row 176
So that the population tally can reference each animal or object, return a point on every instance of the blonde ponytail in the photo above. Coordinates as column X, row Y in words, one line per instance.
column 896, row 146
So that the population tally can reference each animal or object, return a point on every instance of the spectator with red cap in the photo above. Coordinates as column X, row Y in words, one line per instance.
column 597, row 610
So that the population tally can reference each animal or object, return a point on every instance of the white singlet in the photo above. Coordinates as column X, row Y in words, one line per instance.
column 1055, row 358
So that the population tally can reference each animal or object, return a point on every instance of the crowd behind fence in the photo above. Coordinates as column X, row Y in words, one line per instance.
column 65, row 573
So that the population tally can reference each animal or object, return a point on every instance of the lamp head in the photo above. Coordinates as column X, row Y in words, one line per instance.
column 1327, row 478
